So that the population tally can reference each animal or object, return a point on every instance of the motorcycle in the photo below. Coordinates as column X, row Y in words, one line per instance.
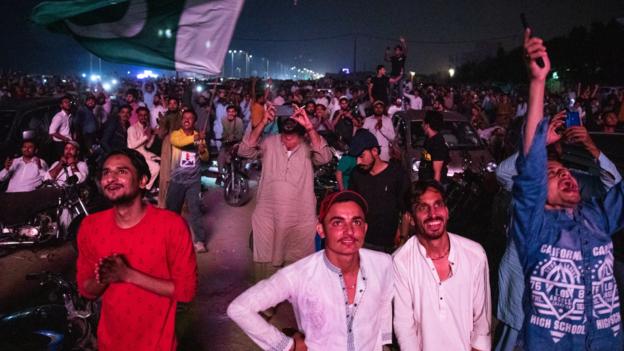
column 46, row 215
column 236, row 183
column 65, row 321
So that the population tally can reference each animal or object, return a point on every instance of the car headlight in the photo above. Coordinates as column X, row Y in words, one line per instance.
column 491, row 167
column 415, row 165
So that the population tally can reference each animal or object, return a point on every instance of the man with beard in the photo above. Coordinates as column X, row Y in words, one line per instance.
column 139, row 259
column 69, row 165
column 115, row 135
column 284, row 219
column 384, row 186
column 140, row 137
column 343, row 121
column 189, row 147
column 171, row 121
column 341, row 296
column 381, row 127
column 86, row 123
column 442, row 291
column 571, row 297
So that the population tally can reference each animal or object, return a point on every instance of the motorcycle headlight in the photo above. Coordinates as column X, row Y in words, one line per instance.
column 491, row 167
column 415, row 165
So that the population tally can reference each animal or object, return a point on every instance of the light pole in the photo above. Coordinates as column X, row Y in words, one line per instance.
column 267, row 71
column 231, row 52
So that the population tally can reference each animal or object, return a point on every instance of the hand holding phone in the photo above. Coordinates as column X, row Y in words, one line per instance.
column 525, row 25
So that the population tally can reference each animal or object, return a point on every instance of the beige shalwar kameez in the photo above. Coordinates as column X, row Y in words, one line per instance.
column 284, row 219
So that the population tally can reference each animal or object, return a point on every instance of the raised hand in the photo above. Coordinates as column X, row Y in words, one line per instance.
column 301, row 117
column 556, row 122
column 533, row 49
column 7, row 163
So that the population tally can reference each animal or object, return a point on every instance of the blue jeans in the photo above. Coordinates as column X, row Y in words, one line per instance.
column 177, row 194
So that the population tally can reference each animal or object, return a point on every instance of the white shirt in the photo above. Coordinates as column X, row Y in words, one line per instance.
column 384, row 136
column 454, row 314
column 138, row 140
column 155, row 113
column 521, row 109
column 394, row 109
column 61, row 179
column 315, row 288
column 60, row 124
column 415, row 101
column 24, row 176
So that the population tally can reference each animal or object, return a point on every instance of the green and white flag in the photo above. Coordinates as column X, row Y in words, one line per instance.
column 181, row 35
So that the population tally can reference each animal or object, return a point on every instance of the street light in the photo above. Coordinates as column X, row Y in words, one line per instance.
column 451, row 72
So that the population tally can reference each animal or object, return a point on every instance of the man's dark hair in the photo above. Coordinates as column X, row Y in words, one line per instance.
column 398, row 46
column 380, row 67
column 435, row 120
column 190, row 110
column 420, row 187
column 89, row 97
column 172, row 98
column 126, row 107
column 232, row 107
column 142, row 108
column 133, row 92
column 135, row 157
column 66, row 96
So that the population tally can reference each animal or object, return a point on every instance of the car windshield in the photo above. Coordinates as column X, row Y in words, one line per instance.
column 6, row 120
column 457, row 134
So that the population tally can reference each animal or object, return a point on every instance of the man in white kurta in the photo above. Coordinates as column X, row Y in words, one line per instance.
column 442, row 291
column 140, row 137
column 341, row 296
column 284, row 219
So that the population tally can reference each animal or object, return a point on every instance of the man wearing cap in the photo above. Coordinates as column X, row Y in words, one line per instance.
column 384, row 185
column 381, row 127
column 69, row 166
column 341, row 296
column 284, row 219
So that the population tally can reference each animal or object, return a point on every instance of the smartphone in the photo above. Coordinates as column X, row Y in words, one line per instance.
column 525, row 25
column 573, row 119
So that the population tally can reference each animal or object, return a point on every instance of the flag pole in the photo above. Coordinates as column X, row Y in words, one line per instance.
column 212, row 98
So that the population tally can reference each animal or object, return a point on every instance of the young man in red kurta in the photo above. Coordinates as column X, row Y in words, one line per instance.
column 138, row 258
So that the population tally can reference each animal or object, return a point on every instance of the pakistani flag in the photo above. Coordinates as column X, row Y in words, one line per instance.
column 191, row 35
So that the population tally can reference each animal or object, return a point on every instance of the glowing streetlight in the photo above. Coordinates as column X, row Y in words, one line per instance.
column 412, row 74
column 451, row 72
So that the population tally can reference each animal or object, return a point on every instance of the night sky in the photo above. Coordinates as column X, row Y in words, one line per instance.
column 437, row 31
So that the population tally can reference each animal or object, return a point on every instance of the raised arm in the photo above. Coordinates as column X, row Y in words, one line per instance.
column 534, row 49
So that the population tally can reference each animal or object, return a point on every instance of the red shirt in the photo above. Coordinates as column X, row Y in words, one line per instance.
column 160, row 245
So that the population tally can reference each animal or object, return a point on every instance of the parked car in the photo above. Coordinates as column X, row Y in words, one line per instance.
column 467, row 151
column 27, row 118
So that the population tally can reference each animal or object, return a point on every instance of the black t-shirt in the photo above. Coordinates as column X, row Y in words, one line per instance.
column 398, row 64
column 435, row 149
column 380, row 88
column 344, row 128
column 386, row 196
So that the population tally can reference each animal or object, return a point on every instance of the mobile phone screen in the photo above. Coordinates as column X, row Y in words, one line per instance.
column 572, row 119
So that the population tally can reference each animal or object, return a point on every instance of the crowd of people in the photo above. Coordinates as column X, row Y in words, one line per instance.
column 557, row 284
